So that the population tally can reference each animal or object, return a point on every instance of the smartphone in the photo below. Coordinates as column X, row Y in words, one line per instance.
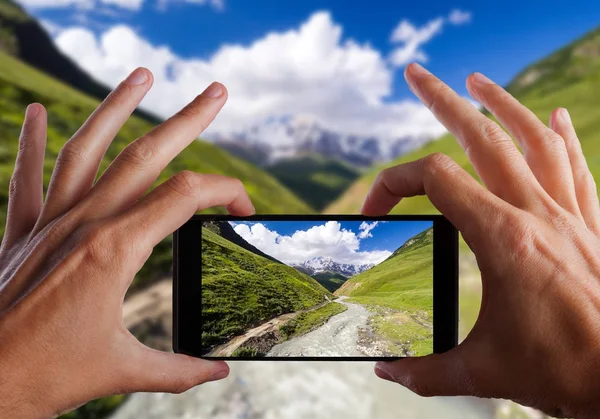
column 315, row 287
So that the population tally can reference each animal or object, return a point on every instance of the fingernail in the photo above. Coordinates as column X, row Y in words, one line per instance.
column 32, row 111
column 139, row 76
column 214, row 90
column 418, row 69
column 382, row 373
column 564, row 114
column 481, row 79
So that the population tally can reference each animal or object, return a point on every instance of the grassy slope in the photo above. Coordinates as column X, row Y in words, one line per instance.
column 400, row 291
column 316, row 180
column 68, row 108
column 330, row 280
column 569, row 78
column 24, row 38
column 404, row 281
column 241, row 289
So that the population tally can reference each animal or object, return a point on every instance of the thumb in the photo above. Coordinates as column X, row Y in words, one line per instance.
column 156, row 371
column 433, row 375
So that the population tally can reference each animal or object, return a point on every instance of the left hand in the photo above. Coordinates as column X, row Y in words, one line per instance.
column 66, row 262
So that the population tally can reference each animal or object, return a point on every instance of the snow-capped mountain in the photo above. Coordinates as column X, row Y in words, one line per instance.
column 323, row 264
column 283, row 138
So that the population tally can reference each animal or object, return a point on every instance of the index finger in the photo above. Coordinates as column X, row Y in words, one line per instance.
column 459, row 197
column 142, row 161
column 494, row 156
column 174, row 202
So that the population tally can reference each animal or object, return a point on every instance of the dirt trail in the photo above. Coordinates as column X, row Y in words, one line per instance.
column 272, row 325
column 286, row 390
column 337, row 337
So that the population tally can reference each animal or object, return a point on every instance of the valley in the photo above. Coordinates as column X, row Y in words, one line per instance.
column 252, row 307
column 316, row 179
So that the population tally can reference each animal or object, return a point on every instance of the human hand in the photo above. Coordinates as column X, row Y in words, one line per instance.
column 66, row 263
column 535, row 233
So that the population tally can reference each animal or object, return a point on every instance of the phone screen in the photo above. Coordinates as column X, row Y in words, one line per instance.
column 316, row 288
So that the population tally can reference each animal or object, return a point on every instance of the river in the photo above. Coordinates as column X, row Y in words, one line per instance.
column 337, row 337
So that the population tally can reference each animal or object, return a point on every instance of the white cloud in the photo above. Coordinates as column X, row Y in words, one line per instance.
column 52, row 4
column 328, row 240
column 218, row 5
column 306, row 72
column 125, row 4
column 459, row 17
column 51, row 27
column 411, row 38
column 365, row 229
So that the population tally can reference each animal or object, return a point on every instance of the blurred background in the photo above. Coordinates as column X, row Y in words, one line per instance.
column 317, row 106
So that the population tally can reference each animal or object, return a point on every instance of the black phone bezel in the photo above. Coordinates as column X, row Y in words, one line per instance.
column 187, row 252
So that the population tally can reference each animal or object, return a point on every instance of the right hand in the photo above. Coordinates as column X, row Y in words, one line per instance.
column 66, row 263
column 535, row 232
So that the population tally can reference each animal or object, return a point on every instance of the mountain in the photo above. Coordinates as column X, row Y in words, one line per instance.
column 241, row 289
column 406, row 275
column 330, row 280
column 569, row 78
column 225, row 230
column 20, row 84
column 287, row 138
column 424, row 238
column 324, row 263
column 22, row 37
column 316, row 180
column 399, row 291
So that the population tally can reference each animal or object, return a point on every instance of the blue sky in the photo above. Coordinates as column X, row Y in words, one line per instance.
column 353, row 242
column 179, row 39
column 501, row 39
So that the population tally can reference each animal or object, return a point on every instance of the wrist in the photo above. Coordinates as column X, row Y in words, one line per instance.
column 22, row 396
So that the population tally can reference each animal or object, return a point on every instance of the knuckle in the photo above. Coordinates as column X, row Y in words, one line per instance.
column 186, row 183
column 118, row 97
column 521, row 236
column 492, row 132
column 97, row 243
column 584, row 177
column 193, row 109
column 388, row 179
column 25, row 142
column 183, row 385
column 417, row 386
column 138, row 152
column 547, row 138
column 13, row 185
column 237, row 184
column 437, row 162
column 72, row 152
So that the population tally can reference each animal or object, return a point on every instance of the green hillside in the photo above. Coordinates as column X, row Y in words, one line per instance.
column 241, row 289
column 20, row 85
column 225, row 230
column 24, row 38
column 318, row 181
column 400, row 291
column 569, row 78
column 330, row 280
